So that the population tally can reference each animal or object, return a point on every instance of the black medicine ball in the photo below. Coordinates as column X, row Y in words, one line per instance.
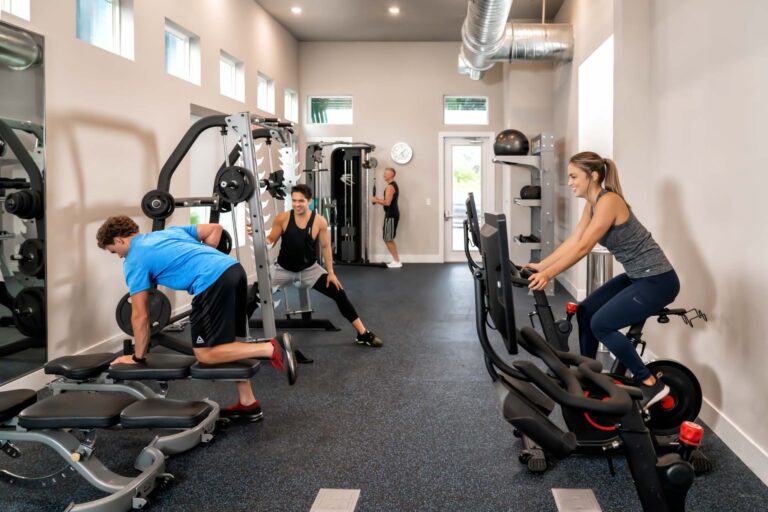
column 511, row 142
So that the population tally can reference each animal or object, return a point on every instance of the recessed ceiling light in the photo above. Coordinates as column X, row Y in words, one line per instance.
column 296, row 10
column 394, row 10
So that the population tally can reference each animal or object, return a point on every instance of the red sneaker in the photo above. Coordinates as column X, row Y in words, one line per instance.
column 250, row 412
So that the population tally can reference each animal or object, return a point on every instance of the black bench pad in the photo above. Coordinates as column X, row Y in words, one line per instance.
column 164, row 413
column 76, row 410
column 157, row 367
column 244, row 369
column 15, row 401
column 81, row 366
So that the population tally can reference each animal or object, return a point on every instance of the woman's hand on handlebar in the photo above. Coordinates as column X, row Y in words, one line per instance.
column 539, row 280
column 536, row 267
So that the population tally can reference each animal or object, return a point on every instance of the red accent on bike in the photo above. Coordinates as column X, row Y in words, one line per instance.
column 571, row 308
column 593, row 422
column 668, row 402
column 691, row 433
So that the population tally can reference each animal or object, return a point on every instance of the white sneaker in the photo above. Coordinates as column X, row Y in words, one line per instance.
column 395, row 264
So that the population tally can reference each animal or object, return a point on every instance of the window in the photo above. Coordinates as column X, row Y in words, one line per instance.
column 19, row 8
column 265, row 93
column 330, row 109
column 232, row 76
column 291, row 106
column 465, row 110
column 107, row 24
column 182, row 53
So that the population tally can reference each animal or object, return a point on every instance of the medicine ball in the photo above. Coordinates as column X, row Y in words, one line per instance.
column 511, row 142
column 530, row 192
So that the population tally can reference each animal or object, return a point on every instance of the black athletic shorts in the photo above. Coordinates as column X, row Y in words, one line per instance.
column 219, row 313
column 390, row 228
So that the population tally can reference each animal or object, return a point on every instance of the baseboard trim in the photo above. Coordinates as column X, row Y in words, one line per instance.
column 409, row 258
column 578, row 293
column 745, row 448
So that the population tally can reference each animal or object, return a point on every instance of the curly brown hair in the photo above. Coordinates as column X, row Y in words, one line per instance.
column 119, row 225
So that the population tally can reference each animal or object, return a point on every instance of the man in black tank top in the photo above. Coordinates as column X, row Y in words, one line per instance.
column 391, row 214
column 299, row 231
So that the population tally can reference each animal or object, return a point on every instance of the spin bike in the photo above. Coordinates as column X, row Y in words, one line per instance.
column 596, row 434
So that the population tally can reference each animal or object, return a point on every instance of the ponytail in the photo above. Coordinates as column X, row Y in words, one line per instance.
column 612, row 177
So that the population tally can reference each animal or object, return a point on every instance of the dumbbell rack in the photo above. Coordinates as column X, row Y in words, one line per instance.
column 541, row 165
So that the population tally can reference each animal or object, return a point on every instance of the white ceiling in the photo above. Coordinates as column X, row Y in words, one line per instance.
column 369, row 20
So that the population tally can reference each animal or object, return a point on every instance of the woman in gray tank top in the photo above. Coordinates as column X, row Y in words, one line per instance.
column 648, row 284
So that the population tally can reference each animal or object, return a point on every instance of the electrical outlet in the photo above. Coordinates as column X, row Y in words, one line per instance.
column 429, row 201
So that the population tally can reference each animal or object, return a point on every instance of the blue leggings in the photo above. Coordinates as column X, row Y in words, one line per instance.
column 619, row 303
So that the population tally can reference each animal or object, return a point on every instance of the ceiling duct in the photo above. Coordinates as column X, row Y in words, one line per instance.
column 487, row 38
column 18, row 50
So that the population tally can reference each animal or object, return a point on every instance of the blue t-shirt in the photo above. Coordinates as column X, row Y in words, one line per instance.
column 175, row 258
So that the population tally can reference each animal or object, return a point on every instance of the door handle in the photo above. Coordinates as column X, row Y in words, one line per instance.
column 446, row 216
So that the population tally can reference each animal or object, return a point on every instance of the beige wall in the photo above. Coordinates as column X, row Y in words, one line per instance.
column 689, row 119
column 528, row 107
column 690, row 131
column 397, row 91
column 111, row 124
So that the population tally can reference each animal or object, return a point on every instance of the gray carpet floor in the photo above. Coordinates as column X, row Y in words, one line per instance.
column 415, row 425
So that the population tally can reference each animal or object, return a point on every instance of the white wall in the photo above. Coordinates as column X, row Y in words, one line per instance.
column 691, row 119
column 112, row 123
column 397, row 91
column 592, row 22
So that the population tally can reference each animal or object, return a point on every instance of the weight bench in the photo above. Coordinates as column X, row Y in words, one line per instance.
column 92, row 372
column 24, row 419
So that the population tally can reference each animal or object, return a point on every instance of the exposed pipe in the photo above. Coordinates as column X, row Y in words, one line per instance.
column 18, row 50
column 487, row 38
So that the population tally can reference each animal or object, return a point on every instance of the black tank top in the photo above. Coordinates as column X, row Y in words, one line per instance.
column 392, row 210
column 298, row 250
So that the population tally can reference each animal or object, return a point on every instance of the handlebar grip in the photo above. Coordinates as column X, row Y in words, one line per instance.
column 618, row 402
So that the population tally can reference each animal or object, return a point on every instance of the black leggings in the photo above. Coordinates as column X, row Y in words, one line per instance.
column 338, row 296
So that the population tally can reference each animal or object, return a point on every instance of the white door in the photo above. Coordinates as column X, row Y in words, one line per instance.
column 468, row 168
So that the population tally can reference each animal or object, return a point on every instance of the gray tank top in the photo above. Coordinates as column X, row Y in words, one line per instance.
column 634, row 247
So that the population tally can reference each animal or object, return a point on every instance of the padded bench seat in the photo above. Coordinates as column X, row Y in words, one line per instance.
column 15, row 401
column 157, row 367
column 76, row 410
column 81, row 366
column 237, row 370
column 164, row 413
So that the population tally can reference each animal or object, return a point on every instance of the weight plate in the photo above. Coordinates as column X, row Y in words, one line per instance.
column 225, row 243
column 157, row 204
column 29, row 312
column 235, row 184
column 159, row 312
column 32, row 262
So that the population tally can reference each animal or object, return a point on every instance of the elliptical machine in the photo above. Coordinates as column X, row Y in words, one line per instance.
column 595, row 433
column 528, row 395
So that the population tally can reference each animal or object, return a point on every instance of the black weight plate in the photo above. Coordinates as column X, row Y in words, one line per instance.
column 29, row 312
column 157, row 204
column 235, row 184
column 159, row 312
column 225, row 243
column 32, row 263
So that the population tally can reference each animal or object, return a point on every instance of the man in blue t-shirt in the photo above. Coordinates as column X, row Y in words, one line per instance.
column 186, row 258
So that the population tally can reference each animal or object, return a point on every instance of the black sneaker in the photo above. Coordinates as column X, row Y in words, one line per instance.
column 654, row 393
column 283, row 357
column 369, row 340
column 243, row 412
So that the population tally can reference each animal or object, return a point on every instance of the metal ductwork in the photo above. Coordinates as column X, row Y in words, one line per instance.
column 488, row 39
column 18, row 50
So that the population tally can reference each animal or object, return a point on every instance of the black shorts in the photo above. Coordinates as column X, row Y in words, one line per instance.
column 390, row 228
column 219, row 313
